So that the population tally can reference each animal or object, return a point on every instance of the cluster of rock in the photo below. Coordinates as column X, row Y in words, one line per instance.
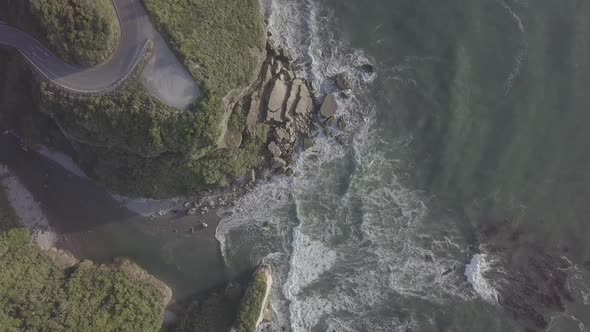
column 282, row 102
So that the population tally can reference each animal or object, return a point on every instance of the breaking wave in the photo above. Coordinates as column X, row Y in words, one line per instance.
column 475, row 273
column 345, row 234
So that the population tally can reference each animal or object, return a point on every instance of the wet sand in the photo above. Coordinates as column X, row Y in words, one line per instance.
column 93, row 225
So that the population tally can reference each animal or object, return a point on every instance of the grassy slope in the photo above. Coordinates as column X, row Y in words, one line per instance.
column 83, row 32
column 215, row 38
column 36, row 295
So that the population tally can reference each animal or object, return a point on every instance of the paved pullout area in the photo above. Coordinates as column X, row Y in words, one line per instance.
column 136, row 30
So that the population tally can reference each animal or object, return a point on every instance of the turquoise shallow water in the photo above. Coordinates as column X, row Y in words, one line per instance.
column 459, row 202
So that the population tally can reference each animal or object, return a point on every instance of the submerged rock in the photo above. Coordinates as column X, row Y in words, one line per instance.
column 341, row 124
column 330, row 122
column 307, row 144
column 343, row 81
column 368, row 68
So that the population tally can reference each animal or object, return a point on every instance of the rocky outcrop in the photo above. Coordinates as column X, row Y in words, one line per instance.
column 255, row 301
column 283, row 104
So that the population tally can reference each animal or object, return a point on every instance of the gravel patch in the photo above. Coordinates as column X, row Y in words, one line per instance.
column 165, row 77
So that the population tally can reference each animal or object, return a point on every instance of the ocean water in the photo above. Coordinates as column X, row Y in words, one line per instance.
column 458, row 201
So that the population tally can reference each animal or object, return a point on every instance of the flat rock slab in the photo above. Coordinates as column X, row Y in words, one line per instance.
column 329, row 107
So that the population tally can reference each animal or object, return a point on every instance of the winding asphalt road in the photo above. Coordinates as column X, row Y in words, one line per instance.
column 105, row 77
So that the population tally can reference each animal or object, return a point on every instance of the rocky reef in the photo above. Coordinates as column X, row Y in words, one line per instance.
column 532, row 282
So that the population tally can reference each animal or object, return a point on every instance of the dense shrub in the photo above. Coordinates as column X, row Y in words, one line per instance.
column 84, row 32
column 37, row 295
column 217, row 39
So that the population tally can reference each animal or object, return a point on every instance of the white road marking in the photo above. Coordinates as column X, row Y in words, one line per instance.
column 40, row 57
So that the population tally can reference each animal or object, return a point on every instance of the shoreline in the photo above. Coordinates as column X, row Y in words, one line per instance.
column 92, row 225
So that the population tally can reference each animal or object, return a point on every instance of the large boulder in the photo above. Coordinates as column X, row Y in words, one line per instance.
column 275, row 111
column 329, row 107
column 305, row 103
column 282, row 134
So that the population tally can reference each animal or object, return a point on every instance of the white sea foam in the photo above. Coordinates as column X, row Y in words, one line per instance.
column 474, row 271
column 521, row 53
column 357, row 242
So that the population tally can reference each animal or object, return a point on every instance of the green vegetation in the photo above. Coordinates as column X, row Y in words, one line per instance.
column 150, row 149
column 130, row 141
column 37, row 295
column 220, row 41
column 83, row 32
column 252, row 303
